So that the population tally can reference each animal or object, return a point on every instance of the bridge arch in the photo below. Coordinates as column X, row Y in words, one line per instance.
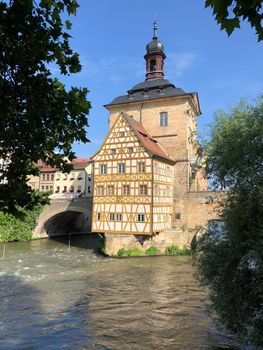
column 63, row 217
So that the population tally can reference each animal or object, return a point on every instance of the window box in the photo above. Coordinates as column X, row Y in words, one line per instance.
column 64, row 191
column 57, row 191
column 78, row 191
column 71, row 191
column 79, row 178
column 72, row 178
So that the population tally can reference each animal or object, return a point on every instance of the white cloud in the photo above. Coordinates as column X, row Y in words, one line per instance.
column 180, row 62
column 118, row 69
column 115, row 69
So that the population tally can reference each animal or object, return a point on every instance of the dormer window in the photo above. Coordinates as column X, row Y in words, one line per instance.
column 163, row 119
column 145, row 93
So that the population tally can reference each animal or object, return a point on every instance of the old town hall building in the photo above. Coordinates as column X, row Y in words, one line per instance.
column 147, row 174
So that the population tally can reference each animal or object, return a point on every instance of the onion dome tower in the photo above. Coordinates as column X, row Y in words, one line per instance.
column 155, row 86
column 154, row 57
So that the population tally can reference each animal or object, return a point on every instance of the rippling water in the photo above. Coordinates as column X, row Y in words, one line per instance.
column 55, row 298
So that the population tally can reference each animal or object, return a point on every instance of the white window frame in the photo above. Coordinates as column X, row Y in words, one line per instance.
column 100, row 190
column 110, row 190
column 118, row 217
column 103, row 169
column 141, row 167
column 124, row 190
column 141, row 218
column 163, row 119
column 143, row 190
column 121, row 168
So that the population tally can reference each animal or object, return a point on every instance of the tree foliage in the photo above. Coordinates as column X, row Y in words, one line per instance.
column 39, row 117
column 230, row 263
column 229, row 13
column 19, row 227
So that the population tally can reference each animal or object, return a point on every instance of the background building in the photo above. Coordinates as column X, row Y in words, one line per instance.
column 77, row 182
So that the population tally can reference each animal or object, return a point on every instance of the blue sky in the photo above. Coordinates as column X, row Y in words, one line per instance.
column 111, row 35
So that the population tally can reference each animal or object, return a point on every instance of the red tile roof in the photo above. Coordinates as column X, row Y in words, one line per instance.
column 81, row 160
column 151, row 145
column 47, row 169
column 81, row 163
column 78, row 163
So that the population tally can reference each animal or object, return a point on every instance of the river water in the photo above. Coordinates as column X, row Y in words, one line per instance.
column 53, row 297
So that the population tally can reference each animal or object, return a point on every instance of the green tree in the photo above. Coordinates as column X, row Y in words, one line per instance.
column 229, row 13
column 230, row 263
column 39, row 117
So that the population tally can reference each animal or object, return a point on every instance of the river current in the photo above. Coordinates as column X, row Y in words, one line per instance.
column 53, row 296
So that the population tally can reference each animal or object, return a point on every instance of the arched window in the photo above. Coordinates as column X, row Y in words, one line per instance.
column 153, row 65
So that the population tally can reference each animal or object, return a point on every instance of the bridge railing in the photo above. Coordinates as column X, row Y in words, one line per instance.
column 68, row 197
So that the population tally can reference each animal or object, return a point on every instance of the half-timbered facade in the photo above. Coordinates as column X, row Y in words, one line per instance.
column 133, row 181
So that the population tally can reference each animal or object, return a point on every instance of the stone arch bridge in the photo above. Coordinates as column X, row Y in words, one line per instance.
column 63, row 216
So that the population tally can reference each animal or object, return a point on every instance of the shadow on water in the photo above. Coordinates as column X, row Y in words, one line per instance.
column 20, row 313
column 148, row 304
column 90, row 241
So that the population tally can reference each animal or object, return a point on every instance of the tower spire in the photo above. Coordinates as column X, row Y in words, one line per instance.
column 155, row 56
column 155, row 30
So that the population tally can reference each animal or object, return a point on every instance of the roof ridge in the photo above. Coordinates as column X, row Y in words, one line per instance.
column 155, row 152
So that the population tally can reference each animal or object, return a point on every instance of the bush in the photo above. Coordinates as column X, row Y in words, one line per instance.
column 177, row 251
column 18, row 227
column 129, row 252
column 122, row 252
column 152, row 251
column 135, row 252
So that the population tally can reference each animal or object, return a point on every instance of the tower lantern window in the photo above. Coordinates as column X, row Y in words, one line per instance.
column 153, row 65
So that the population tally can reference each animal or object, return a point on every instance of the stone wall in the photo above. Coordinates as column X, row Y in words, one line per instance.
column 162, row 240
column 195, row 209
